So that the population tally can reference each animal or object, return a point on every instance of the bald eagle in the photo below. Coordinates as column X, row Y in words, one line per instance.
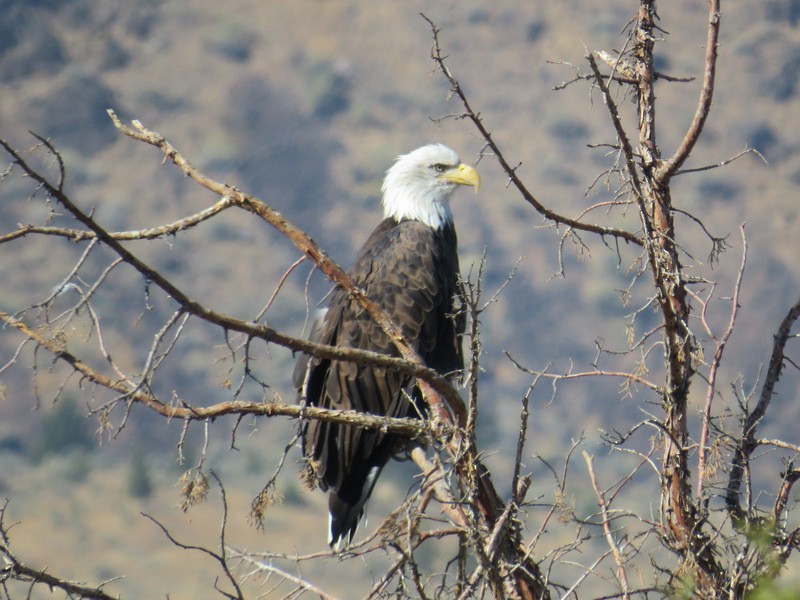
column 409, row 266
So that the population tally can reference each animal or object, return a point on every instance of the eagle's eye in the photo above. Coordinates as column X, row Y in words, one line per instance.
column 439, row 167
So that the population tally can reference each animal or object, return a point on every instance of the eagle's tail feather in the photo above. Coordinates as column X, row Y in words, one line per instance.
column 345, row 515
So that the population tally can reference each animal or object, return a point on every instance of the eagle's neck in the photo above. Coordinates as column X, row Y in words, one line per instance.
column 429, row 206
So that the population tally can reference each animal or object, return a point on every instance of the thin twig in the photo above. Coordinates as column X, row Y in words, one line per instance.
column 712, row 372
column 169, row 229
column 220, row 557
column 748, row 443
column 440, row 59
column 669, row 167
column 619, row 559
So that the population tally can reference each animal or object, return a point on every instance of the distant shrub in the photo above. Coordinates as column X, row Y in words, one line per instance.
column 783, row 84
column 254, row 465
column 478, row 16
column 534, row 30
column 763, row 138
column 62, row 430
column 224, row 231
column 568, row 129
column 293, row 494
column 718, row 189
column 329, row 90
column 662, row 63
column 140, row 18
column 110, row 54
column 73, row 113
column 235, row 48
column 12, row 444
column 783, row 11
column 139, row 483
column 78, row 467
column 231, row 40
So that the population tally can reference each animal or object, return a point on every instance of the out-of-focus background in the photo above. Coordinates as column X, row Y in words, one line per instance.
column 305, row 104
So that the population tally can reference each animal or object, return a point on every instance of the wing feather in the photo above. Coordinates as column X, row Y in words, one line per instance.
column 411, row 271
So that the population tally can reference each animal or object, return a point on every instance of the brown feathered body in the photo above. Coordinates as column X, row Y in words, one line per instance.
column 410, row 270
column 409, row 266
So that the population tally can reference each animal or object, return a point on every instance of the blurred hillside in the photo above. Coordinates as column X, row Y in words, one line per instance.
column 304, row 104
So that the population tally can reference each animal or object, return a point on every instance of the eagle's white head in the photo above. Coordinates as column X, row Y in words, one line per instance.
column 419, row 184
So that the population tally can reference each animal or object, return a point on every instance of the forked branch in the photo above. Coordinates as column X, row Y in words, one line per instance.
column 669, row 167
column 748, row 443
column 440, row 59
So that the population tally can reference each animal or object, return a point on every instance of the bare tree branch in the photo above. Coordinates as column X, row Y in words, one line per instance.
column 669, row 167
column 221, row 556
column 11, row 568
column 448, row 408
column 440, row 59
column 713, row 370
column 747, row 445
column 78, row 235
column 408, row 427
column 435, row 380
column 619, row 558
column 259, row 567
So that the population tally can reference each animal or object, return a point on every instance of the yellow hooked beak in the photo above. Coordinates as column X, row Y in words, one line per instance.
column 462, row 175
